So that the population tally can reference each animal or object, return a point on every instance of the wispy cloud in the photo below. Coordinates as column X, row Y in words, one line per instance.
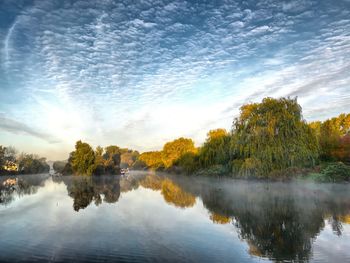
column 13, row 126
column 112, row 72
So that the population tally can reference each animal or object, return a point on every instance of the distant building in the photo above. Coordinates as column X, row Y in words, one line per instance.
column 10, row 166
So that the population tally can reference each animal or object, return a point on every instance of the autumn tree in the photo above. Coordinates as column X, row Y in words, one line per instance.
column 330, row 136
column 128, row 158
column 174, row 194
column 152, row 159
column 175, row 149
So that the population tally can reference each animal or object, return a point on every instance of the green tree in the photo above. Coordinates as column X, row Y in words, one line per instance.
column 32, row 164
column 216, row 149
column 2, row 157
column 112, row 159
column 83, row 159
column 272, row 135
column 99, row 161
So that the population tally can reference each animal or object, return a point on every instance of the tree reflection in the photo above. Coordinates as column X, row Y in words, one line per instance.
column 220, row 219
column 25, row 185
column 85, row 190
column 171, row 192
column 152, row 181
column 278, row 221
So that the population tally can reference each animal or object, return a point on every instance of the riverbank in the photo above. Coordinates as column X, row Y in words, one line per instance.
column 324, row 172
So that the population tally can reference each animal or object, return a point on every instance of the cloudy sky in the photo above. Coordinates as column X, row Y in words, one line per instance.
column 140, row 73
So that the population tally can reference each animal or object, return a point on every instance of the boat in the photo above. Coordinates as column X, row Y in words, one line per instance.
column 124, row 171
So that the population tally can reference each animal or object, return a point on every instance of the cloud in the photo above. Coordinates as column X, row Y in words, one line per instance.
column 110, row 72
column 13, row 126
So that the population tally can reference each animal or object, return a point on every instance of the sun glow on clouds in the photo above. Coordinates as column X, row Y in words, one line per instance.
column 139, row 74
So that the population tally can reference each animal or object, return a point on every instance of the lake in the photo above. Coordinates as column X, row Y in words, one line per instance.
column 147, row 217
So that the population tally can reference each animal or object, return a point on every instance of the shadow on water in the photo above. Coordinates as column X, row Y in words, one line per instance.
column 279, row 221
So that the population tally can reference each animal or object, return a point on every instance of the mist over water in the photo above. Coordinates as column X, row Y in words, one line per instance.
column 167, row 218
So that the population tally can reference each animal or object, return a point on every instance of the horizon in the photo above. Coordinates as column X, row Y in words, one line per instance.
column 139, row 75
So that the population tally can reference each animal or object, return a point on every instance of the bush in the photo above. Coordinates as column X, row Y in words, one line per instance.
column 336, row 172
column 215, row 170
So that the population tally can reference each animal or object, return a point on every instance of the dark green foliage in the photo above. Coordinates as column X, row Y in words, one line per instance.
column 272, row 136
column 85, row 161
column 188, row 162
column 112, row 159
column 59, row 166
column 32, row 164
column 216, row 149
column 214, row 170
column 2, row 156
column 336, row 172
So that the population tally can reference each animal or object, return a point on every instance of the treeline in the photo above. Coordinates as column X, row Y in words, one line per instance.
column 13, row 163
column 87, row 161
column 268, row 138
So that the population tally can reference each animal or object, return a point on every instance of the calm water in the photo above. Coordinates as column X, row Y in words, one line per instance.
column 159, row 218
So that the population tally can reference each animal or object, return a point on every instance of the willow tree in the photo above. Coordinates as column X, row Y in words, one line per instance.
column 272, row 135
column 215, row 150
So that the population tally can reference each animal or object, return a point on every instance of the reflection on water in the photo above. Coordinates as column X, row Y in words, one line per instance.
column 26, row 185
column 85, row 190
column 271, row 220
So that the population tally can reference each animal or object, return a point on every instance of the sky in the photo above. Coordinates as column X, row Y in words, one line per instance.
column 140, row 73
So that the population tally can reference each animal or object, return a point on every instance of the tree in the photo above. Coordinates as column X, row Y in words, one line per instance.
column 128, row 158
column 7, row 154
column 272, row 135
column 32, row 164
column 152, row 159
column 99, row 161
column 2, row 156
column 59, row 166
column 112, row 159
column 83, row 159
column 330, row 137
column 216, row 149
column 342, row 152
column 175, row 149
column 10, row 154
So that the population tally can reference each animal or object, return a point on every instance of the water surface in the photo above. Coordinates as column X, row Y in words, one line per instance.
column 145, row 217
